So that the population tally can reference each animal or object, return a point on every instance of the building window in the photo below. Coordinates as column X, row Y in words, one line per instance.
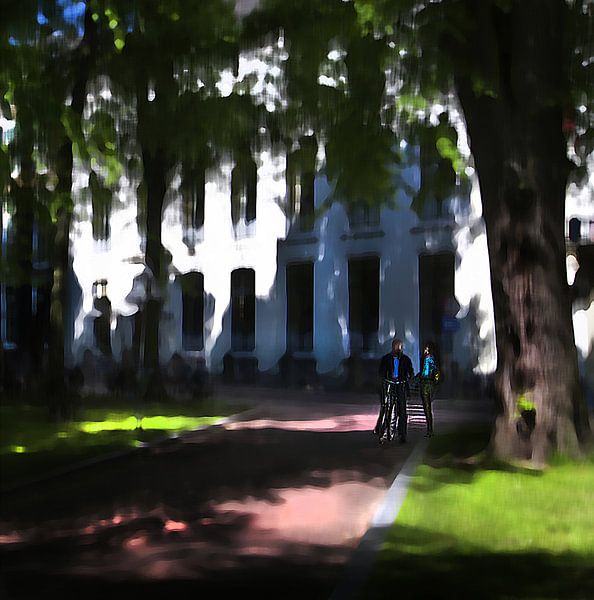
column 244, row 178
column 192, row 285
column 575, row 230
column 102, row 323
column 434, row 208
column 362, row 215
column 300, row 307
column 363, row 303
column 243, row 310
column 301, row 166
column 301, row 200
column 101, row 205
column 437, row 302
column 193, row 197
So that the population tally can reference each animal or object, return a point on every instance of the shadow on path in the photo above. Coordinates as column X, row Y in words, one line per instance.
column 273, row 505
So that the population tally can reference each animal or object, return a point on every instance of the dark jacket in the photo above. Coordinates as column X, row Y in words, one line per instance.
column 405, row 368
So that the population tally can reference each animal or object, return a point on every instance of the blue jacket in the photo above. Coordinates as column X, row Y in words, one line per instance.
column 429, row 369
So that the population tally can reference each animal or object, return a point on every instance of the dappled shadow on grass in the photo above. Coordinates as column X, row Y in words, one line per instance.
column 458, row 457
column 458, row 446
column 422, row 564
column 475, row 528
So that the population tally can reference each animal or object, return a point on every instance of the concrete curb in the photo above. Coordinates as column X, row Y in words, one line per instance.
column 18, row 485
column 357, row 569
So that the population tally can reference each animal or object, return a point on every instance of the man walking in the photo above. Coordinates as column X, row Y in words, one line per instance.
column 396, row 370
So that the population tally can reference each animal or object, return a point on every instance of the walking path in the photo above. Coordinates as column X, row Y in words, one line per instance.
column 276, row 502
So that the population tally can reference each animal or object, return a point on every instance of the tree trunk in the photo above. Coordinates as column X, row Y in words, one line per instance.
column 153, row 136
column 520, row 156
column 23, row 194
column 155, row 172
column 82, row 64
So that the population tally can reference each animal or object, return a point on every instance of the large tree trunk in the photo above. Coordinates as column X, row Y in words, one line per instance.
column 152, row 135
column 520, row 155
column 155, row 172
column 82, row 64
column 23, row 194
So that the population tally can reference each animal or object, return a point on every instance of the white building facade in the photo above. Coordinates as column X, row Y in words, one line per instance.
column 294, row 295
column 268, row 282
column 320, row 289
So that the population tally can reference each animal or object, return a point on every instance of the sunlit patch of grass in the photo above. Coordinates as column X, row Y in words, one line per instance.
column 31, row 444
column 499, row 511
column 126, row 424
column 490, row 532
column 159, row 422
column 177, row 423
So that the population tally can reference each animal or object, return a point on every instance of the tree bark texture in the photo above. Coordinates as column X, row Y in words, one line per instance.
column 23, row 195
column 520, row 156
column 156, row 186
column 153, row 136
column 83, row 62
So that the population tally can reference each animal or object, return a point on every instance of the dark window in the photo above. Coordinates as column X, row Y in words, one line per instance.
column 363, row 303
column 301, row 169
column 300, row 306
column 434, row 208
column 243, row 310
column 363, row 215
column 300, row 191
column 101, row 204
column 575, row 230
column 193, row 195
column 102, row 323
column 437, row 305
column 244, row 178
column 192, row 285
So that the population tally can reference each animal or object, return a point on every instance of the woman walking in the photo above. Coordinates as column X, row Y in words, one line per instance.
column 429, row 377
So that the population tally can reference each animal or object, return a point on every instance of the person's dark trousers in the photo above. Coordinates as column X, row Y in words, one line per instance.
column 379, row 426
column 387, row 401
column 399, row 416
column 427, row 389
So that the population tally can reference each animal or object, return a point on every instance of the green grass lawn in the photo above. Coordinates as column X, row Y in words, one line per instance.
column 489, row 532
column 31, row 444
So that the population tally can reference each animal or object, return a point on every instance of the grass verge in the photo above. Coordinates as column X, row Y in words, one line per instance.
column 31, row 445
column 489, row 532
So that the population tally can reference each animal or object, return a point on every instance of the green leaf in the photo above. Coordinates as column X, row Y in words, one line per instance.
column 72, row 125
column 411, row 102
column 61, row 201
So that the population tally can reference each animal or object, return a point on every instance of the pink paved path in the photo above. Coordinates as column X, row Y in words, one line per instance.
column 274, row 503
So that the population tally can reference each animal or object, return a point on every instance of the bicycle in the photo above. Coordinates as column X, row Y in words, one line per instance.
column 388, row 406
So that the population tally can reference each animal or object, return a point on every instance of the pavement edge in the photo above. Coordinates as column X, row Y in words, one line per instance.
column 358, row 567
